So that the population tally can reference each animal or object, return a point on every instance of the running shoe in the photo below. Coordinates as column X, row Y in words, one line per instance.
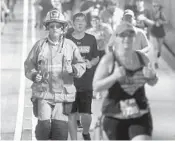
column 86, row 136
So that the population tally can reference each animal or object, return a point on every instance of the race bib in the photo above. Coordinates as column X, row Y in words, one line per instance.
column 129, row 108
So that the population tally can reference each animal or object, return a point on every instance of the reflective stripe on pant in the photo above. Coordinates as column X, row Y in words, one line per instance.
column 48, row 111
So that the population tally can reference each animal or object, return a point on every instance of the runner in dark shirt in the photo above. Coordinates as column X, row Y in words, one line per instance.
column 88, row 49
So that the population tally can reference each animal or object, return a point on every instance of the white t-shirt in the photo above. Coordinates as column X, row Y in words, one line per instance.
column 141, row 40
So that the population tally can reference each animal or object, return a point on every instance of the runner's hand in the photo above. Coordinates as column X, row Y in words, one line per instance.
column 88, row 64
column 38, row 77
column 148, row 72
column 68, row 67
column 119, row 71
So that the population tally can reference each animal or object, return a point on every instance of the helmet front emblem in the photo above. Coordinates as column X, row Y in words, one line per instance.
column 54, row 15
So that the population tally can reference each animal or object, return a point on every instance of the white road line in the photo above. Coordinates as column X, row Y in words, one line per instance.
column 34, row 120
column 19, row 121
column 0, row 82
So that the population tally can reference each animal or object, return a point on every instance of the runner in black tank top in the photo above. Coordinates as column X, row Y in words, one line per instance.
column 117, row 93
column 126, row 109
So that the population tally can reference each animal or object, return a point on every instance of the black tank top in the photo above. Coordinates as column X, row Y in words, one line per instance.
column 116, row 93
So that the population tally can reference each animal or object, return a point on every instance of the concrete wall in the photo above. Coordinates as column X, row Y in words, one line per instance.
column 169, row 6
column 168, row 51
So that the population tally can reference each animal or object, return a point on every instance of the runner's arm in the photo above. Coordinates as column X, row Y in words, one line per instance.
column 145, row 46
column 103, row 78
column 153, row 80
column 79, row 66
column 30, row 64
column 149, row 22
column 95, row 53
column 163, row 18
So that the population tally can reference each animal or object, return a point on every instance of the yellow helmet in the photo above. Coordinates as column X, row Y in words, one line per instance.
column 55, row 15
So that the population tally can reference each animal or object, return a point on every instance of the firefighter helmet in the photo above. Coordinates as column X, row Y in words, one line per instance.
column 55, row 15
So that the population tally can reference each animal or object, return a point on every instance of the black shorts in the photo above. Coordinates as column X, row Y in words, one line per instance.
column 122, row 129
column 82, row 103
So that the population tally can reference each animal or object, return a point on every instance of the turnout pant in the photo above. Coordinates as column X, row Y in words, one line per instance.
column 52, row 123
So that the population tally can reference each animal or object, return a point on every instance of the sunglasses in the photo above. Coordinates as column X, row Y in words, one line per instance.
column 127, row 34
column 58, row 26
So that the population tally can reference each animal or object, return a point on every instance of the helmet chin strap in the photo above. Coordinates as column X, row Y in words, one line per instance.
column 60, row 41
column 61, row 38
